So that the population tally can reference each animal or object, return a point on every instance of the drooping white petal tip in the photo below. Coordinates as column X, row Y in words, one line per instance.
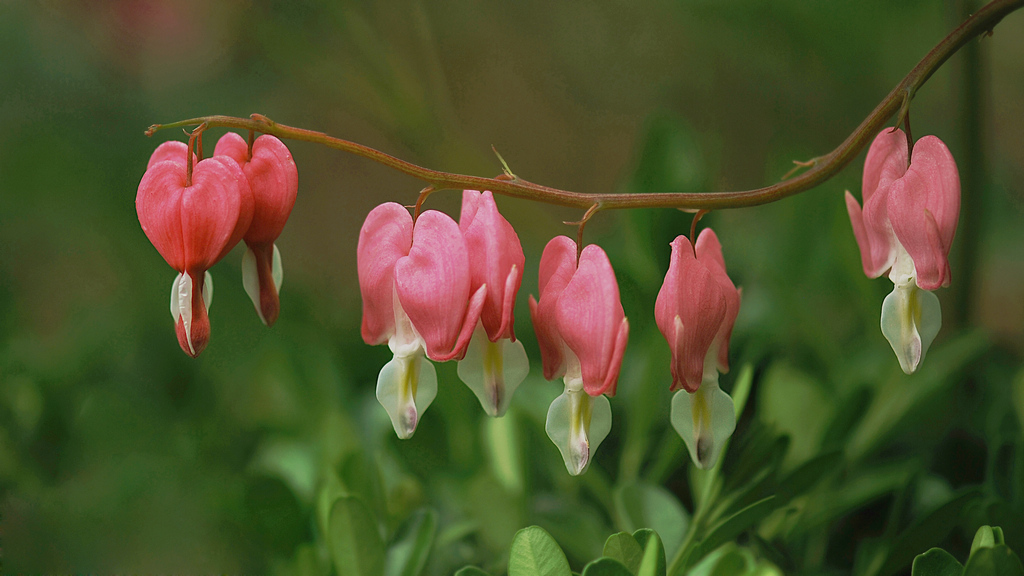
column 704, row 419
column 405, row 388
column 493, row 370
column 577, row 423
column 910, row 320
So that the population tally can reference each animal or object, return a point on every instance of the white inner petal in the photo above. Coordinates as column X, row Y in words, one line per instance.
column 493, row 370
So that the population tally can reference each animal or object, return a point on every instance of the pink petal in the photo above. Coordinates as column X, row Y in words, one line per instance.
column 171, row 150
column 158, row 204
column 211, row 212
column 233, row 146
column 495, row 259
column 709, row 252
column 433, row 285
column 269, row 302
column 274, row 180
column 861, row 234
column 386, row 236
column 591, row 321
column 885, row 163
column 692, row 294
column 924, row 207
column 557, row 266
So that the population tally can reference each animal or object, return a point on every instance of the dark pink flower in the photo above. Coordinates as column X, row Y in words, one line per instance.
column 906, row 228
column 495, row 363
column 415, row 284
column 579, row 311
column 696, row 309
column 914, row 206
column 274, row 181
column 193, row 227
column 582, row 331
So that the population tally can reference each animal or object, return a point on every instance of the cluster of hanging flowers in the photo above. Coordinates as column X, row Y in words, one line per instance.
column 436, row 290
column 195, row 211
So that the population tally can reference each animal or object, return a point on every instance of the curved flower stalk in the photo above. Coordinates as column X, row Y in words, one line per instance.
column 274, row 180
column 695, row 311
column 906, row 227
column 415, row 284
column 192, row 225
column 495, row 362
column 582, row 331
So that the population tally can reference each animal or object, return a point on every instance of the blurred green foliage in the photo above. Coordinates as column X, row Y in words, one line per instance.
column 269, row 453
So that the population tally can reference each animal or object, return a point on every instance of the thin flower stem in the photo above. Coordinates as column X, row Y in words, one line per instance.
column 824, row 168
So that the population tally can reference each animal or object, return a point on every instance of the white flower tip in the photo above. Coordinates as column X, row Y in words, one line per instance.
column 580, row 456
column 493, row 371
column 577, row 423
column 910, row 320
column 405, row 388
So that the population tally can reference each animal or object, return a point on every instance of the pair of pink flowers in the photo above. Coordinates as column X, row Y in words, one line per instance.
column 194, row 213
column 441, row 290
column 906, row 228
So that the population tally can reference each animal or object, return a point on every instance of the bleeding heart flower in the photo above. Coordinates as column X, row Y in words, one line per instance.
column 906, row 228
column 495, row 363
column 193, row 226
column 415, row 284
column 274, row 181
column 695, row 311
column 582, row 331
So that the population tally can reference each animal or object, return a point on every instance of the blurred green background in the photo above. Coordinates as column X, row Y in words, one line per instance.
column 120, row 454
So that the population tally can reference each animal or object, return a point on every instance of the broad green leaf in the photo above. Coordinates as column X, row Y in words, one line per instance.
column 653, row 563
column 624, row 548
column 535, row 553
column 407, row 555
column 354, row 539
column 936, row 562
column 606, row 567
column 998, row 560
column 643, row 505
column 471, row 571
column 728, row 529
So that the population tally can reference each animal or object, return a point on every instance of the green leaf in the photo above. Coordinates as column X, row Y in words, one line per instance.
column 354, row 539
column 643, row 505
column 998, row 560
column 653, row 563
column 808, row 474
column 931, row 529
column 624, row 548
column 535, row 553
column 936, row 562
column 726, row 561
column 407, row 555
column 471, row 571
column 606, row 567
column 987, row 537
column 727, row 530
